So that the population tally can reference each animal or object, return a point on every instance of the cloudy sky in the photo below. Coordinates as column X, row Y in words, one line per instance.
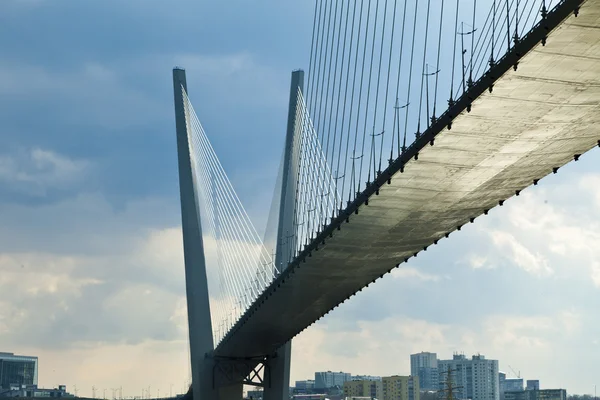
column 91, row 269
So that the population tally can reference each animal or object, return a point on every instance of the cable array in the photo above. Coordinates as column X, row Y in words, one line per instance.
column 382, row 71
column 316, row 196
column 238, row 265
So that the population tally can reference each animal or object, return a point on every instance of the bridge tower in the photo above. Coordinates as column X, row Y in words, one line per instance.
column 200, row 326
column 205, row 385
column 280, row 362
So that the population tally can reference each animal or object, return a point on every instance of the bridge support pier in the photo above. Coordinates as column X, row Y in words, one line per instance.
column 231, row 392
column 278, row 386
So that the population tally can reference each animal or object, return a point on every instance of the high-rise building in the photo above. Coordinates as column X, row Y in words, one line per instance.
column 400, row 388
column 425, row 366
column 533, row 384
column 476, row 379
column 16, row 371
column 363, row 388
column 328, row 379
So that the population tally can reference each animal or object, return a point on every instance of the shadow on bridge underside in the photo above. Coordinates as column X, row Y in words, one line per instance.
column 537, row 118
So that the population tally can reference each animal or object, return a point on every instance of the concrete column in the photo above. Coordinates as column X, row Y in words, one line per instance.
column 278, row 386
column 200, row 327
column 231, row 392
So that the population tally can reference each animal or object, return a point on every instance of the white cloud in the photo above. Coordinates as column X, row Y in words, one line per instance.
column 376, row 348
column 36, row 275
column 572, row 322
column 85, row 296
column 76, row 299
column 404, row 272
column 522, row 292
column 590, row 183
column 83, row 272
column 596, row 273
column 566, row 233
column 37, row 170
column 528, row 332
column 125, row 297
column 151, row 365
column 79, row 309
column 520, row 255
column 383, row 347
column 546, row 239
column 476, row 261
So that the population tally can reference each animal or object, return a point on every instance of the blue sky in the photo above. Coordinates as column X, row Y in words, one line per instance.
column 91, row 269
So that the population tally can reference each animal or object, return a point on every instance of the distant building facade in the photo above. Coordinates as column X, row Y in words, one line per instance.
column 255, row 394
column 328, row 379
column 511, row 385
column 365, row 378
column 477, row 378
column 363, row 388
column 309, row 397
column 34, row 391
column 425, row 366
column 305, row 385
column 18, row 371
column 544, row 394
column 550, row 394
column 400, row 388
column 501, row 379
column 515, row 386
column 517, row 395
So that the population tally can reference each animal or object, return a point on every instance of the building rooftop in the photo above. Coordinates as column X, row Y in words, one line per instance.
column 13, row 355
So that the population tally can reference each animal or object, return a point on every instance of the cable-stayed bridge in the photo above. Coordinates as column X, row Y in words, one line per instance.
column 415, row 118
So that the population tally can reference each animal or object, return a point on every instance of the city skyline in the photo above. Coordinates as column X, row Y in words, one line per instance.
column 326, row 379
column 447, row 361
column 476, row 377
column 91, row 267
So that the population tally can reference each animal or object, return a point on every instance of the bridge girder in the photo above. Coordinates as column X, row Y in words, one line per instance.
column 486, row 148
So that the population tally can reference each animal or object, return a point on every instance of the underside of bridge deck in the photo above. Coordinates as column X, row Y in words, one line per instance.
column 537, row 119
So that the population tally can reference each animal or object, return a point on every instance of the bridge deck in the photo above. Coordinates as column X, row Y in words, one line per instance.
column 536, row 119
